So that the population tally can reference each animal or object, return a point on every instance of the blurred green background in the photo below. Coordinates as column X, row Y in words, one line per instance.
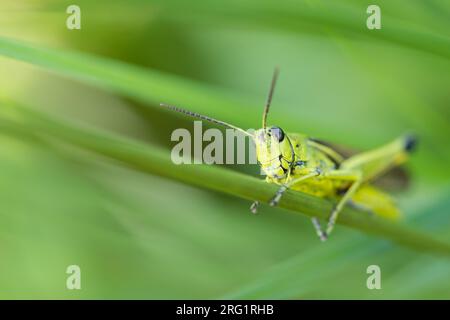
column 135, row 235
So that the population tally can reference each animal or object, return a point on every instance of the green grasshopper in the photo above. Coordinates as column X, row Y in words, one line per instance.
column 298, row 162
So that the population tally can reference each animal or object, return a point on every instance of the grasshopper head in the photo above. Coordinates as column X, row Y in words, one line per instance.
column 273, row 151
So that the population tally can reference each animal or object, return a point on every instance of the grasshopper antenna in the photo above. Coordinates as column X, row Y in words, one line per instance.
column 202, row 117
column 269, row 98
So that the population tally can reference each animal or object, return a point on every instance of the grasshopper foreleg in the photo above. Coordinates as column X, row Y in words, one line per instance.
column 276, row 198
column 254, row 207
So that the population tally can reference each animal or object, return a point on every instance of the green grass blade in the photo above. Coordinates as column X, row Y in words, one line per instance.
column 145, row 85
column 157, row 161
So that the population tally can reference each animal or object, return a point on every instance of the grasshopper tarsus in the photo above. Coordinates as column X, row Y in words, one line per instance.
column 254, row 207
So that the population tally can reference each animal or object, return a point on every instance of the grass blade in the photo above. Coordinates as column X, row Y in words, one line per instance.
column 157, row 161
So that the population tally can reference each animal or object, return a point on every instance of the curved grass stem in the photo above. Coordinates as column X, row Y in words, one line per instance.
column 154, row 160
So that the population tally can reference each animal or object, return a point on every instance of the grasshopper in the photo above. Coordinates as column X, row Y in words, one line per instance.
column 298, row 162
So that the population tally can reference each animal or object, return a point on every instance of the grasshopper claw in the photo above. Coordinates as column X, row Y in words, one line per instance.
column 274, row 202
column 254, row 207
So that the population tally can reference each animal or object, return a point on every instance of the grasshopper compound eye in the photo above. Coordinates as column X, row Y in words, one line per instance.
column 277, row 133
